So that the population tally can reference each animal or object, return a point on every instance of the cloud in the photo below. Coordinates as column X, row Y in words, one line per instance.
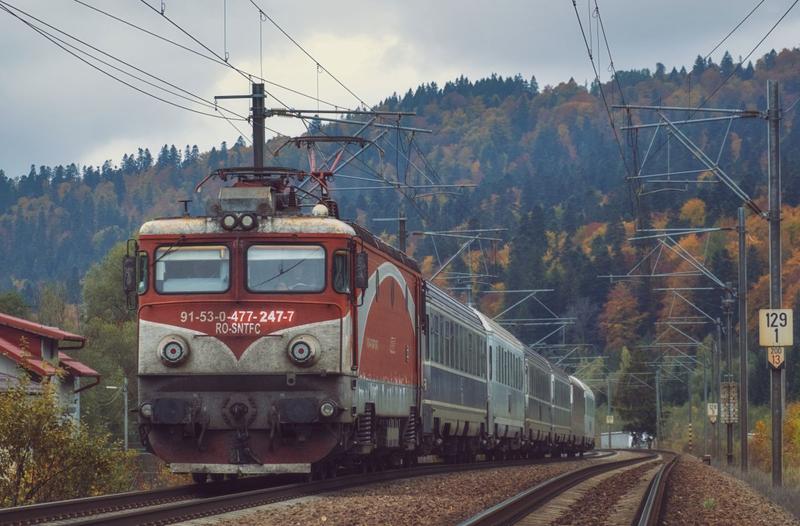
column 58, row 110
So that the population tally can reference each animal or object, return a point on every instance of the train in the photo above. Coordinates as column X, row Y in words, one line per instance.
column 274, row 339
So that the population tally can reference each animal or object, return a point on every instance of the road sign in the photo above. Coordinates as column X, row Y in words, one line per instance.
column 713, row 412
column 729, row 397
column 776, row 357
column 609, row 419
column 775, row 328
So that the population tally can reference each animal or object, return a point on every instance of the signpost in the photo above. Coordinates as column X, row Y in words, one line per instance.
column 776, row 357
column 713, row 412
column 775, row 328
column 609, row 422
column 775, row 333
column 729, row 398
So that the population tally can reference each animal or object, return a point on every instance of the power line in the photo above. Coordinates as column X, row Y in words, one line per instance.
column 5, row 7
column 732, row 31
column 199, row 99
column 608, row 50
column 185, row 32
column 602, row 91
column 739, row 65
column 199, row 54
column 287, row 35
column 196, row 99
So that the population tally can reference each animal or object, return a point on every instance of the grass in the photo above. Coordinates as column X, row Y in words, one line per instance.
column 787, row 496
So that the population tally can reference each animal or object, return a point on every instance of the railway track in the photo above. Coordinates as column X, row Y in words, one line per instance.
column 194, row 501
column 543, row 498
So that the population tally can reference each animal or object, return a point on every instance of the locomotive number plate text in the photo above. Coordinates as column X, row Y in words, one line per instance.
column 237, row 321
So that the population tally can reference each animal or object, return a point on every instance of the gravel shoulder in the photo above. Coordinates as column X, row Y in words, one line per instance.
column 698, row 494
column 430, row 500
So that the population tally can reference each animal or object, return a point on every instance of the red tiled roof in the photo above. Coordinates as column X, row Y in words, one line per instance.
column 74, row 367
column 25, row 359
column 53, row 333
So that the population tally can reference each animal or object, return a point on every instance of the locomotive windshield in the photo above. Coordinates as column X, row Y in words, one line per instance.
column 192, row 269
column 292, row 268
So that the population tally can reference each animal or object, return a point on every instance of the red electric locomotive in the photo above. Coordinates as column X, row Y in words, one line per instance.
column 270, row 340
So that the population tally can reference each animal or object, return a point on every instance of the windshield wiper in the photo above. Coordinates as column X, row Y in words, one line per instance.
column 279, row 274
column 171, row 248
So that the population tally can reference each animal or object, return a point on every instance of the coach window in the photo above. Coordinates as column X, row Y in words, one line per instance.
column 189, row 269
column 285, row 268
column 341, row 271
column 451, row 344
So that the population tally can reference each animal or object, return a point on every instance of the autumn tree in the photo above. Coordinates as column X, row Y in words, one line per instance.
column 45, row 455
column 635, row 401
column 110, row 330
column 621, row 319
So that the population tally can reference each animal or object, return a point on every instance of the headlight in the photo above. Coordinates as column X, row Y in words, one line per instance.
column 327, row 408
column 303, row 350
column 146, row 410
column 300, row 352
column 229, row 221
column 173, row 350
column 248, row 221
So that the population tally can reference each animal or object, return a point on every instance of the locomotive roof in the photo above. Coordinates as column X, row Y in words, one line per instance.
column 276, row 225
column 266, row 225
column 375, row 241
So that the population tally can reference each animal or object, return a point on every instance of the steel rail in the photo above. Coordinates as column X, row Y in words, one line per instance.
column 652, row 506
column 194, row 501
column 81, row 507
column 514, row 509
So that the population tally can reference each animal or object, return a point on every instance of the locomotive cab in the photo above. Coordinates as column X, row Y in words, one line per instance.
column 245, row 337
column 272, row 341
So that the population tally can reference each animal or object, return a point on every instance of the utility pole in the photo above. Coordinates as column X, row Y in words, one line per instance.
column 727, row 308
column 658, row 406
column 775, row 293
column 742, row 342
column 608, row 410
column 705, row 405
column 259, row 115
column 125, row 407
column 401, row 229
column 717, row 373
column 258, row 125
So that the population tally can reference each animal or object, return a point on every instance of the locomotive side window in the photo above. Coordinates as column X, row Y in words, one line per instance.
column 341, row 272
column 190, row 269
column 285, row 268
column 142, row 271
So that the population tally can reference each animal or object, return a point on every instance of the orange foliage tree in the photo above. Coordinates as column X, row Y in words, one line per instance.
column 620, row 321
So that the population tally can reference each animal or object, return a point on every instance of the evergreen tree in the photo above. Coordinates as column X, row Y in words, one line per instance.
column 726, row 66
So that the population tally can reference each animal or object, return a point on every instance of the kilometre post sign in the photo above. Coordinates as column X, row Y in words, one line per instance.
column 776, row 357
column 775, row 328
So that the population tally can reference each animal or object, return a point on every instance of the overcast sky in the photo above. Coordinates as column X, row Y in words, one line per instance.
column 56, row 109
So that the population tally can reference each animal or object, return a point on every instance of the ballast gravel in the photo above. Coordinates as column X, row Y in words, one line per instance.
column 596, row 506
column 698, row 494
column 429, row 500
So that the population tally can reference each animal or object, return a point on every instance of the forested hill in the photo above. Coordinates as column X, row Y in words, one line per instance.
column 545, row 162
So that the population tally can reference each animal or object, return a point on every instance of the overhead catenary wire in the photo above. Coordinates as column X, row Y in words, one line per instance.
column 602, row 91
column 198, row 53
column 189, row 96
column 708, row 98
column 8, row 9
column 735, row 28
column 309, row 55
